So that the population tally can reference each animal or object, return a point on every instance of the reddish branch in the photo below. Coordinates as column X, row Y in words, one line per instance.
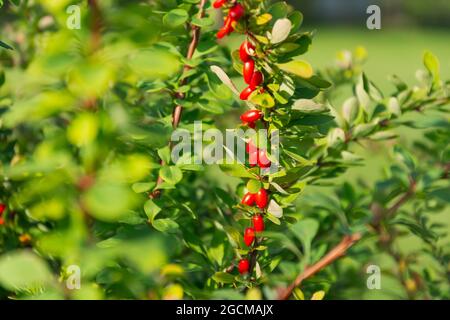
column 334, row 254
column 178, row 109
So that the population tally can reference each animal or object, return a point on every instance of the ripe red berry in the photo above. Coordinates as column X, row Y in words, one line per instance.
column 249, row 236
column 237, row 11
column 249, row 69
column 2, row 208
column 253, row 158
column 257, row 79
column 250, row 147
column 246, row 93
column 262, row 198
column 246, row 51
column 219, row 3
column 258, row 223
column 248, row 199
column 251, row 116
column 243, row 266
column 250, row 124
column 2, row 221
column 263, row 160
column 226, row 29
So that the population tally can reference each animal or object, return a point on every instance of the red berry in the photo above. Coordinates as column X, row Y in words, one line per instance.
column 226, row 29
column 237, row 11
column 253, row 158
column 246, row 51
column 250, row 147
column 249, row 69
column 2, row 221
column 256, row 80
column 249, row 236
column 221, row 33
column 263, row 160
column 262, row 198
column 251, row 116
column 258, row 223
column 243, row 266
column 219, row 3
column 2, row 208
column 248, row 199
column 246, row 93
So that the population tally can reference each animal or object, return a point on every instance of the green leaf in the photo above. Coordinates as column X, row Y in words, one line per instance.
column 2, row 78
column 140, row 187
column 298, row 67
column 203, row 22
column 108, row 201
column 432, row 64
column 171, row 174
column 305, row 230
column 175, row 17
column 223, row 277
column 253, row 186
column 309, row 106
column 296, row 18
column 164, row 154
column 350, row 110
column 165, row 225
column 263, row 19
column 237, row 170
column 273, row 219
column 6, row 46
column 151, row 210
column 264, row 100
column 23, row 270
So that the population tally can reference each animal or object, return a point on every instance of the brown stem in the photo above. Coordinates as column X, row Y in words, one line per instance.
column 96, row 25
column 178, row 109
column 338, row 251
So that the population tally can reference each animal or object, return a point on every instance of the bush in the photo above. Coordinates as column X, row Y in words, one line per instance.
column 90, row 191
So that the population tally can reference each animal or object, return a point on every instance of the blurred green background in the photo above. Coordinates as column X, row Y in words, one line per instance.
column 409, row 27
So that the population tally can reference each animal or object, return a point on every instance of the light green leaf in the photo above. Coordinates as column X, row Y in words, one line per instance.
column 151, row 210
column 175, row 17
column 223, row 277
column 264, row 100
column 23, row 270
column 305, row 230
column 165, row 225
column 253, row 186
column 171, row 174
column 298, row 67
column 309, row 106
column 432, row 64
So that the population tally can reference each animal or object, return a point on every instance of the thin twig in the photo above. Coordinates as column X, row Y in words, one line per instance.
column 338, row 251
column 178, row 109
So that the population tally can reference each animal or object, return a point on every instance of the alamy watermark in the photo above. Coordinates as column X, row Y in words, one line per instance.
column 74, row 19
column 73, row 280
column 374, row 280
column 374, row 20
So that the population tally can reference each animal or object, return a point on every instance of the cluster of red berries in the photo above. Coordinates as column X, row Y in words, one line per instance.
column 261, row 199
column 252, row 77
column 256, row 156
column 2, row 210
column 235, row 13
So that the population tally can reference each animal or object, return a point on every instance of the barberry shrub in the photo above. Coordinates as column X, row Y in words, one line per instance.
column 92, row 206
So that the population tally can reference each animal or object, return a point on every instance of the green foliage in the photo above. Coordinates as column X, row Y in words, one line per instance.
column 84, row 136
